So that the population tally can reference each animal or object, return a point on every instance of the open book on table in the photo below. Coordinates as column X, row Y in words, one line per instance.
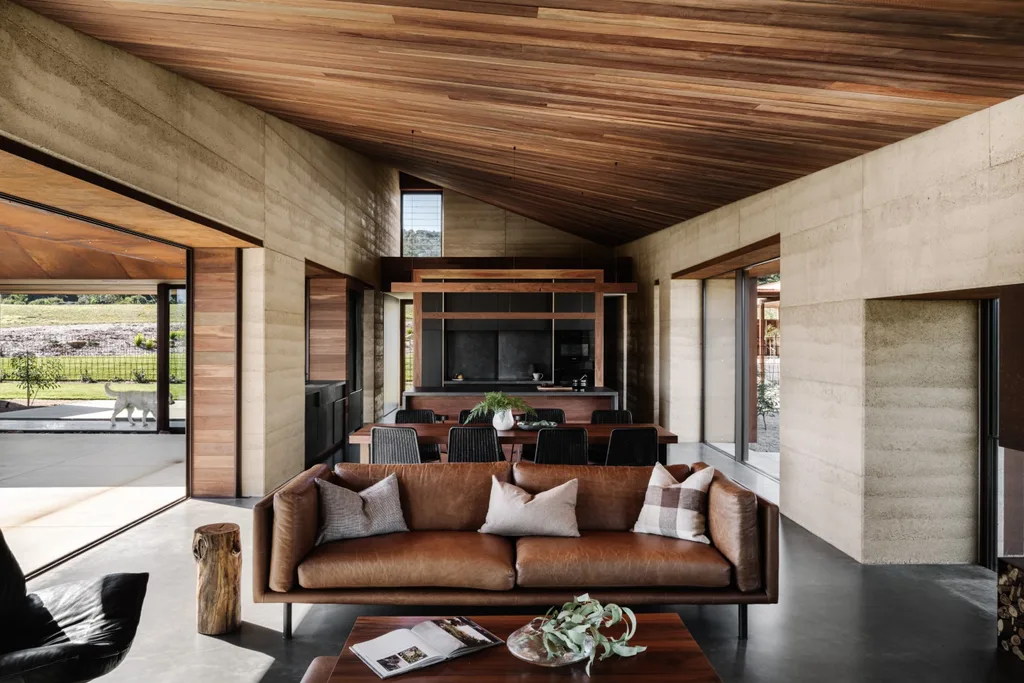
column 426, row 643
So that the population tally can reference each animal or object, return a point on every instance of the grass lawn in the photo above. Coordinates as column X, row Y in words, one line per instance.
column 79, row 391
column 106, row 368
column 25, row 315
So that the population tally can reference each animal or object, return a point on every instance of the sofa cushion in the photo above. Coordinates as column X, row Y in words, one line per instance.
column 609, row 498
column 734, row 527
column 439, row 559
column 296, row 521
column 676, row 509
column 616, row 559
column 373, row 511
column 435, row 497
column 514, row 512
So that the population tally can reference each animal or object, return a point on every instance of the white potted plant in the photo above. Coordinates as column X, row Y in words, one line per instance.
column 502, row 405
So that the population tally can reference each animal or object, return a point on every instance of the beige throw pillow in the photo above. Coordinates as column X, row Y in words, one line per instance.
column 514, row 512
column 373, row 511
column 674, row 509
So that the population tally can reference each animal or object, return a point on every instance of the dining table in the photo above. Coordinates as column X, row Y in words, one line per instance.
column 437, row 433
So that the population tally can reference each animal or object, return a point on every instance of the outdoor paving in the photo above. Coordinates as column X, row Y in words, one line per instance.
column 59, row 492
column 83, row 416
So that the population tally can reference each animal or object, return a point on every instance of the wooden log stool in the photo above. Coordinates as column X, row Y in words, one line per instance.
column 218, row 552
column 1010, row 617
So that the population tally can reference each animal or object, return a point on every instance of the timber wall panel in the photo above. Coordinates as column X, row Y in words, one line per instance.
column 215, row 366
column 328, row 325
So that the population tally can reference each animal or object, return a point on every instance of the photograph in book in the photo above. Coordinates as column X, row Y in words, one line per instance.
column 428, row 642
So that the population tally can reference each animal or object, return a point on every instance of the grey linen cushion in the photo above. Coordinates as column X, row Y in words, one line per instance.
column 373, row 511
column 514, row 512
column 674, row 509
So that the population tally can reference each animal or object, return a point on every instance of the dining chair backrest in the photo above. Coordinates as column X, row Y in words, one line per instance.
column 474, row 444
column 394, row 446
column 556, row 415
column 611, row 417
column 633, row 446
column 417, row 417
column 485, row 419
column 429, row 452
column 562, row 446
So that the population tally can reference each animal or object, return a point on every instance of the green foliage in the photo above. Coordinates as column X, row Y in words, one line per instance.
column 139, row 376
column 421, row 243
column 14, row 298
column 46, row 301
column 139, row 339
column 115, row 299
column 177, row 334
column 576, row 628
column 497, row 401
column 150, row 344
column 774, row 277
column 86, row 376
column 767, row 399
column 33, row 373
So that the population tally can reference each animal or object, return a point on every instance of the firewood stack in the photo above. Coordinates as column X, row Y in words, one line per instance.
column 1010, row 625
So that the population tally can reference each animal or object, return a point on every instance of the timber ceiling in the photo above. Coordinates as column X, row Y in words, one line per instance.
column 609, row 119
column 39, row 245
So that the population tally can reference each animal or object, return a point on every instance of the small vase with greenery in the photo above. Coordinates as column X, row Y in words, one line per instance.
column 572, row 633
column 501, row 405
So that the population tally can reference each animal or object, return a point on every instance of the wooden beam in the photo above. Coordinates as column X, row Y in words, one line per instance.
column 744, row 257
column 516, row 287
column 510, row 274
column 506, row 315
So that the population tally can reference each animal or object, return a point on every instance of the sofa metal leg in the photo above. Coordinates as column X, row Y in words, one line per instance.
column 743, row 622
column 287, row 630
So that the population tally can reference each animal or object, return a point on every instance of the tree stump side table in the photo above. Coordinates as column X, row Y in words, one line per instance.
column 1010, row 623
column 217, row 549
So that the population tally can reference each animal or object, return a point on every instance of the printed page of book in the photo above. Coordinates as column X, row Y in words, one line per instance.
column 396, row 652
column 454, row 636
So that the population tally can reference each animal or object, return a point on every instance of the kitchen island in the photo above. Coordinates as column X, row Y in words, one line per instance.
column 450, row 399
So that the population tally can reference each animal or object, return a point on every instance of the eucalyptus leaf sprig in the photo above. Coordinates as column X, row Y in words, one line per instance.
column 576, row 627
column 497, row 401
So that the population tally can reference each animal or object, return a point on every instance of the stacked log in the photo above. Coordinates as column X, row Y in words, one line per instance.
column 1010, row 613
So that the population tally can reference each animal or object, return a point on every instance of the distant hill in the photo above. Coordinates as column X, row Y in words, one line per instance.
column 421, row 243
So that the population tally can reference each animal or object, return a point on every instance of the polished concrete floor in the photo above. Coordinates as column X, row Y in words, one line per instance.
column 59, row 492
column 837, row 621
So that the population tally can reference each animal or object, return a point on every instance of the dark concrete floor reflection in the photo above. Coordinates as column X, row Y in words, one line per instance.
column 837, row 621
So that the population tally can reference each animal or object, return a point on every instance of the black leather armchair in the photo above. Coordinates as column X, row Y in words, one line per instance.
column 68, row 633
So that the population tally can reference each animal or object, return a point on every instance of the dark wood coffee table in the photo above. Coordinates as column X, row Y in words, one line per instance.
column 672, row 656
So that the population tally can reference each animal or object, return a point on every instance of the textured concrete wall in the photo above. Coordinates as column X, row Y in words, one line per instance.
column 920, row 431
column 305, row 197
column 937, row 212
column 475, row 228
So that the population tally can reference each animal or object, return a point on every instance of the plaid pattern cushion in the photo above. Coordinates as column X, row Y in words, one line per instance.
column 676, row 510
column 373, row 511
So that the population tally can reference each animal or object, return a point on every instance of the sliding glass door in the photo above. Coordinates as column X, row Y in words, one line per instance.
column 742, row 339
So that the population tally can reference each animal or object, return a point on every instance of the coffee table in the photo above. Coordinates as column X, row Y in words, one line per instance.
column 672, row 656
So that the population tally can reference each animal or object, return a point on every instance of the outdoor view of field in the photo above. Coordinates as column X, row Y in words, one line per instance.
column 82, row 346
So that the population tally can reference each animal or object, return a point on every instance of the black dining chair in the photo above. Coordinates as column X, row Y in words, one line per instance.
column 474, row 444
column 66, row 633
column 633, row 446
column 611, row 417
column 599, row 454
column 562, row 446
column 429, row 452
column 556, row 415
column 485, row 419
column 394, row 446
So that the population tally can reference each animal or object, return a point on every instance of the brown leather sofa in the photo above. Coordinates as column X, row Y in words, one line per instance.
column 444, row 560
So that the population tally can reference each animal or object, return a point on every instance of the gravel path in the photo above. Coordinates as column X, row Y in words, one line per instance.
column 108, row 339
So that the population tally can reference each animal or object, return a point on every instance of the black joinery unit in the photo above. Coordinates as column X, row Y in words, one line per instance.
column 327, row 425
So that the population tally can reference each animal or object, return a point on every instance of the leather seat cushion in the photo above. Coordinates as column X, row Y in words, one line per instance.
column 615, row 559
column 320, row 670
column 439, row 559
